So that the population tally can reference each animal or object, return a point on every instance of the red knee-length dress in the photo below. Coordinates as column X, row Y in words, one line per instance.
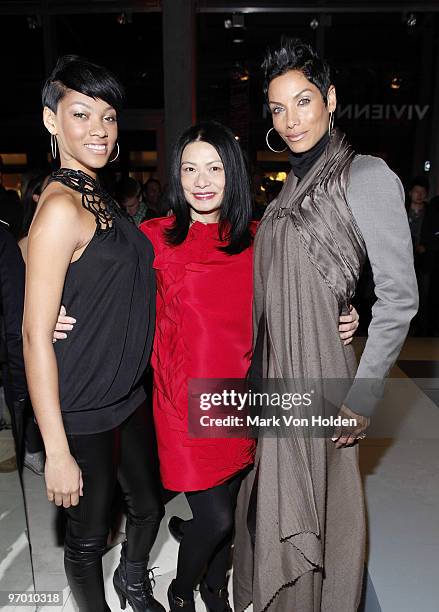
column 203, row 330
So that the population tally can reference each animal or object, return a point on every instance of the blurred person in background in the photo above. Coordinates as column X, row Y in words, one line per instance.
column 11, row 345
column 128, row 195
column 424, row 228
column 34, row 456
column 29, row 201
column 11, row 211
column 152, row 197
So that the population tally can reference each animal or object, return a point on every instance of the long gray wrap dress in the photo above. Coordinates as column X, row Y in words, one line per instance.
column 310, row 519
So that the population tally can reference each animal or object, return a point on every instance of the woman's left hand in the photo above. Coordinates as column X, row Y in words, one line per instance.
column 347, row 435
column 348, row 325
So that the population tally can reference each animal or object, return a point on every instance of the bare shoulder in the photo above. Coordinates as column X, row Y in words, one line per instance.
column 57, row 205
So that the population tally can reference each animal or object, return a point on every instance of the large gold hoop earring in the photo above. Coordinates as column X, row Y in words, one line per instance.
column 117, row 154
column 331, row 122
column 53, row 145
column 268, row 144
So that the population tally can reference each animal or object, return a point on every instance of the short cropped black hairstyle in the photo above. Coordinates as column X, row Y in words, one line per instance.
column 236, row 206
column 79, row 74
column 294, row 54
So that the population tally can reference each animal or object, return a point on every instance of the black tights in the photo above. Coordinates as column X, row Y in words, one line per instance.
column 126, row 454
column 207, row 537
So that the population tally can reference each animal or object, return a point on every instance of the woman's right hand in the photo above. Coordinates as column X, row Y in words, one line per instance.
column 63, row 324
column 63, row 480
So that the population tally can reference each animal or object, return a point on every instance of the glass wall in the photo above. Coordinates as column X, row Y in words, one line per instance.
column 130, row 44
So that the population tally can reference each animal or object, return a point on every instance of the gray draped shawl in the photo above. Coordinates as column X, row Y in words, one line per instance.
column 310, row 525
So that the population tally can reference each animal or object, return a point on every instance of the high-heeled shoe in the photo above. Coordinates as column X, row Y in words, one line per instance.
column 215, row 600
column 132, row 583
column 178, row 604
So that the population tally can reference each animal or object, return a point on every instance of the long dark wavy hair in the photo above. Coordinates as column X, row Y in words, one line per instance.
column 236, row 206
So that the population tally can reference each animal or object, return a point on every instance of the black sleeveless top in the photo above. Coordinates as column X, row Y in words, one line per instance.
column 110, row 290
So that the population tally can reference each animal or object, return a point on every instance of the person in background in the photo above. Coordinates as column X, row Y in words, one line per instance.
column 11, row 315
column 152, row 197
column 128, row 195
column 424, row 228
column 11, row 211
column 434, row 287
column 29, row 201
column 34, row 457
column 12, row 272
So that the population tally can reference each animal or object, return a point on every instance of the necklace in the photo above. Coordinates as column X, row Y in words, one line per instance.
column 94, row 199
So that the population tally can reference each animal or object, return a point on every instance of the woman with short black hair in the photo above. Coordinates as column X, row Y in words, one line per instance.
column 303, row 502
column 87, row 392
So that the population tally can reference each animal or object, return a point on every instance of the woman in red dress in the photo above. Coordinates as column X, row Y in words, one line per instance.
column 203, row 263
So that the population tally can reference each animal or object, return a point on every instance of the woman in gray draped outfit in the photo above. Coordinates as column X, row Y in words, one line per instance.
column 305, row 550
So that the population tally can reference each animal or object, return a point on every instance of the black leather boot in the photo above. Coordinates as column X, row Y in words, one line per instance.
column 215, row 600
column 178, row 604
column 83, row 565
column 132, row 583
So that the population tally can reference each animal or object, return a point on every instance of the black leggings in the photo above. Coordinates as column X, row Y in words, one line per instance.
column 207, row 538
column 126, row 454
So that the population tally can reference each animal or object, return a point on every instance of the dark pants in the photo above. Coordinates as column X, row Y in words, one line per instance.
column 207, row 539
column 126, row 454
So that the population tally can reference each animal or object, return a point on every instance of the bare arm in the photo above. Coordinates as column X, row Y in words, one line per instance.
column 53, row 238
column 64, row 323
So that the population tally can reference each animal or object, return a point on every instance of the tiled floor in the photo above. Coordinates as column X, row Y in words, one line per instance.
column 401, row 477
